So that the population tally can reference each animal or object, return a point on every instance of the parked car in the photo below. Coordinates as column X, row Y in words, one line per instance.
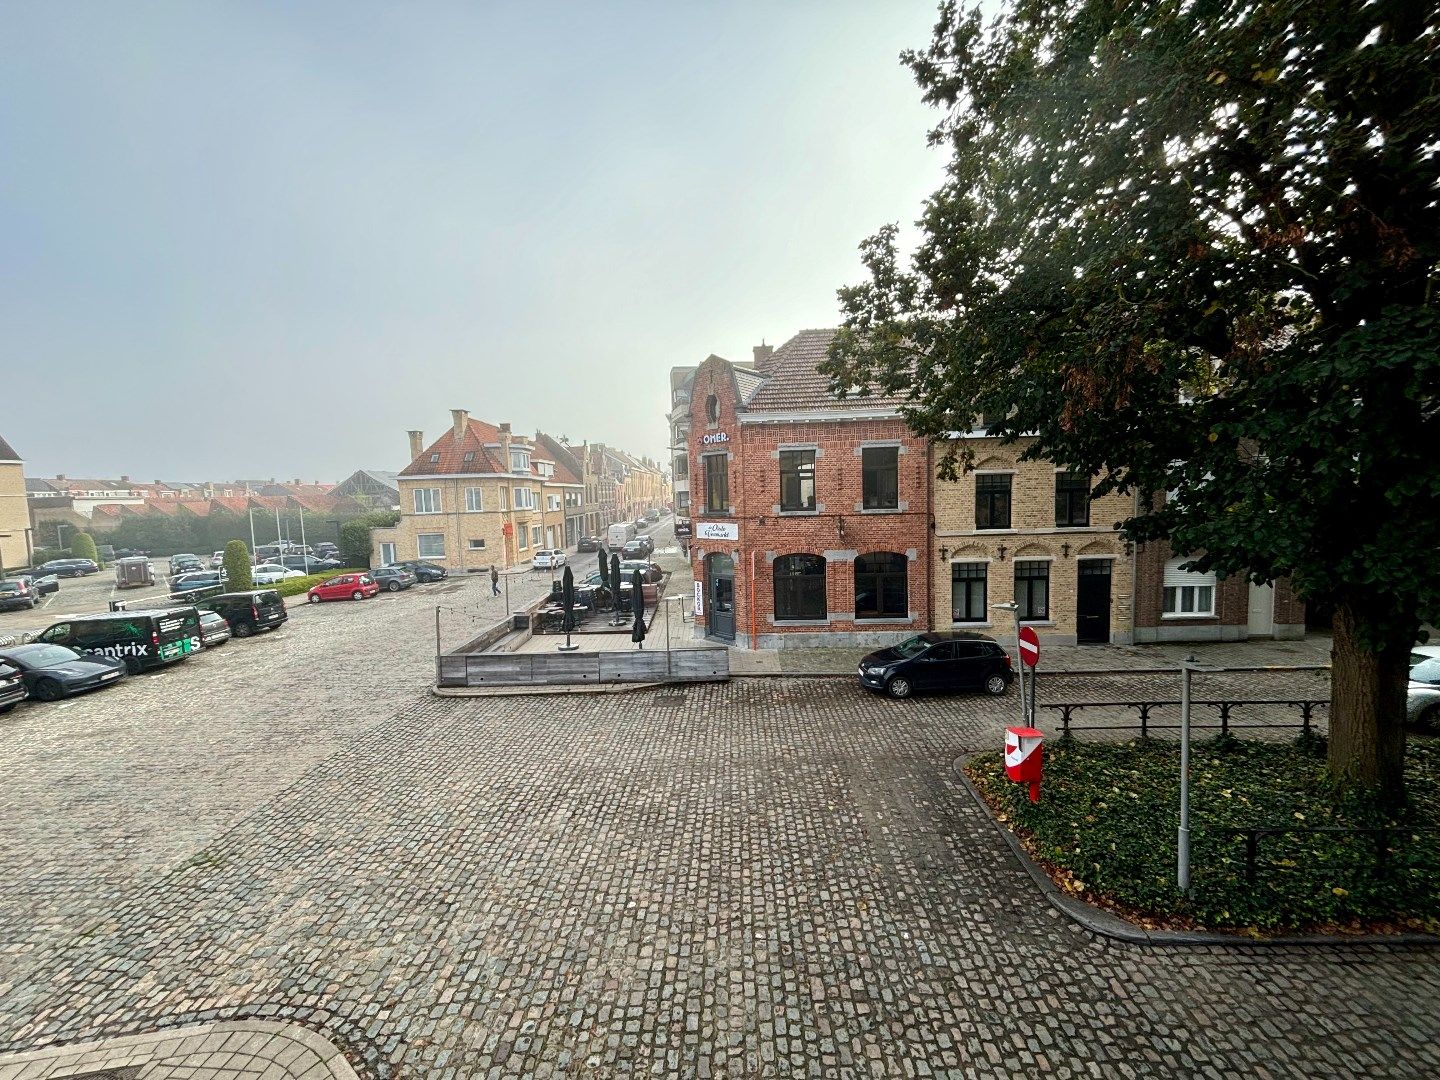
column 51, row 672
column 652, row 516
column 344, row 587
column 308, row 564
column 105, row 551
column 130, row 553
column 217, row 560
column 248, row 612
column 938, row 661
column 43, row 584
column 1422, row 698
column 16, row 594
column 327, row 550
column 272, row 574
column 139, row 639
column 642, row 547
column 588, row 543
column 187, row 586
column 12, row 686
column 69, row 567
column 424, row 571
column 650, row 572
column 179, row 564
column 548, row 559
column 640, row 523
column 393, row 578
column 214, row 630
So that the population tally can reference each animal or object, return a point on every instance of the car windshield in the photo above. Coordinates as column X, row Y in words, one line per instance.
column 914, row 646
column 1427, row 671
column 9, row 586
column 45, row 655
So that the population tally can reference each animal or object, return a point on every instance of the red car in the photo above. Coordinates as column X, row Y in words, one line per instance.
column 344, row 587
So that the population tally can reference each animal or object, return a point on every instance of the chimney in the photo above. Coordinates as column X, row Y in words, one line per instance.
column 59, row 476
column 461, row 420
column 417, row 444
column 125, row 480
column 763, row 353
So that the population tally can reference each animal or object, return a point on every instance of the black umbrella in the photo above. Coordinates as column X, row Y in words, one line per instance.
column 604, row 567
column 637, row 601
column 615, row 582
column 567, row 601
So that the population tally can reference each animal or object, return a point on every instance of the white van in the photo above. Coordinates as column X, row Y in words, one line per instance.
column 619, row 534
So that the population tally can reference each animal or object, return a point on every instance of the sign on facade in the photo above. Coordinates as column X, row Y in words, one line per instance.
column 715, row 438
column 699, row 599
column 717, row 530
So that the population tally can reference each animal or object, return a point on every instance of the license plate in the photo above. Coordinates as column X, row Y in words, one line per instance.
column 110, row 675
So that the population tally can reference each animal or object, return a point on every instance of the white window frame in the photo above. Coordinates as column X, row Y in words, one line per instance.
column 420, row 551
column 387, row 553
column 476, row 543
column 522, row 534
column 429, row 497
column 474, row 500
column 535, row 535
column 1181, row 587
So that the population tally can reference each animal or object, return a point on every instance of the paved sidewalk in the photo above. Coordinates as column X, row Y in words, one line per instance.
column 252, row 1049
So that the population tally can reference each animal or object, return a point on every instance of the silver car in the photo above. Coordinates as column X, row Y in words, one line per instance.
column 1422, row 700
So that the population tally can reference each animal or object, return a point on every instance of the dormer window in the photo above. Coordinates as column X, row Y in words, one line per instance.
column 520, row 461
column 469, row 456
column 434, row 459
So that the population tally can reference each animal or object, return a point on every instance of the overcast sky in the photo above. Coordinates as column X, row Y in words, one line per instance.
column 266, row 239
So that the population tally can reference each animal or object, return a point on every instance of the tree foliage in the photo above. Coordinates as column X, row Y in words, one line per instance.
column 355, row 545
column 82, row 546
column 237, row 567
column 1192, row 247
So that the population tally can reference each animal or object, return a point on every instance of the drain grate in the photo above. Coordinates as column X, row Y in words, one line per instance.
column 125, row 1072
column 669, row 701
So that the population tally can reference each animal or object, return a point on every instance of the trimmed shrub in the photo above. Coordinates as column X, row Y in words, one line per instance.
column 83, row 547
column 237, row 567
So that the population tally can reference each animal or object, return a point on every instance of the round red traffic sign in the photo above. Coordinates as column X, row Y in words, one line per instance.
column 1029, row 646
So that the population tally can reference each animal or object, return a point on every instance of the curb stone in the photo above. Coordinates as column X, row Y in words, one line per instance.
column 268, row 1048
column 1107, row 924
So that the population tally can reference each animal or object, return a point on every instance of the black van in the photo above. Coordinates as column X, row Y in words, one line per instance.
column 143, row 639
column 248, row 612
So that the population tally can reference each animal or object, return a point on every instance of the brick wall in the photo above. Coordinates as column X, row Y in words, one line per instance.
column 1231, row 620
column 1033, row 536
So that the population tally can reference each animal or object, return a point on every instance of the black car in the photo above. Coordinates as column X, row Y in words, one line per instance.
column 248, row 612
column 15, row 593
column 588, row 543
column 423, row 571
column 642, row 547
column 944, row 661
column 308, row 564
column 12, row 686
column 140, row 639
column 51, row 672
column 69, row 567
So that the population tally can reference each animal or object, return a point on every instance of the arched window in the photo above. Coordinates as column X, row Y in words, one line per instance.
column 800, row 587
column 880, row 587
column 712, row 408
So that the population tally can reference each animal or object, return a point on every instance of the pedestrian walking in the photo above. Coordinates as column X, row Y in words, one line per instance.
column 494, row 581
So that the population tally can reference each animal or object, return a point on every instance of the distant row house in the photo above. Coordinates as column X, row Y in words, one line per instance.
column 820, row 521
column 484, row 495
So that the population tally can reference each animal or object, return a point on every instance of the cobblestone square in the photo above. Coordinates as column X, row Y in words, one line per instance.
column 778, row 877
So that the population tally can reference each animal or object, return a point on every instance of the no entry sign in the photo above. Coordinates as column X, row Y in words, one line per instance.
column 1029, row 646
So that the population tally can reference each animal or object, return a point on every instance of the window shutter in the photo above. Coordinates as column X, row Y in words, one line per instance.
column 1175, row 577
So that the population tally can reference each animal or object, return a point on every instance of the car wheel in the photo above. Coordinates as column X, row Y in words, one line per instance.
column 995, row 685
column 394, row 586
column 313, row 598
column 357, row 595
column 241, row 630
column 48, row 690
column 899, row 687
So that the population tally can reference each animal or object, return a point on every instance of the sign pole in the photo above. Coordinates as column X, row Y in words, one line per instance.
column 1014, row 609
column 1182, row 871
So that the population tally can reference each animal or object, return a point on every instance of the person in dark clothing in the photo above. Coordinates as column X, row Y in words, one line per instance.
column 494, row 581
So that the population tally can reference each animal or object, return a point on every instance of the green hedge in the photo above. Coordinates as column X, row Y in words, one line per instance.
column 1108, row 814
column 298, row 586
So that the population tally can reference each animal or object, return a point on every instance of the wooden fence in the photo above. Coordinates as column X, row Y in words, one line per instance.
column 544, row 669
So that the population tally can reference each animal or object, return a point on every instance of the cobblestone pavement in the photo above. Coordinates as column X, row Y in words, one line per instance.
column 776, row 878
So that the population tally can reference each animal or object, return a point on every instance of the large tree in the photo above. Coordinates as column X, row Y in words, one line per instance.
column 1192, row 247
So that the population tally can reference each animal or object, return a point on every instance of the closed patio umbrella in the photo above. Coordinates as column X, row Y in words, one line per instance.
column 637, row 601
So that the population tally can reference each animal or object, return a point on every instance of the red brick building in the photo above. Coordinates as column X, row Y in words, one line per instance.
column 1172, row 604
column 810, row 513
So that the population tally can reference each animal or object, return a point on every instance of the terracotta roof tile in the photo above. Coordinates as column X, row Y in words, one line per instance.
column 450, row 452
column 795, row 383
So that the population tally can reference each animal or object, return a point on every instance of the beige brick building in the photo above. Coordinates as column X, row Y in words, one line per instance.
column 15, row 537
column 480, row 495
column 1027, row 532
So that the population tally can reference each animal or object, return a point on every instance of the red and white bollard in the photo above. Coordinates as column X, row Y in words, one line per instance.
column 1025, row 757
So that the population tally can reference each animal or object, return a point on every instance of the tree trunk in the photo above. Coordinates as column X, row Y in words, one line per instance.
column 1367, row 709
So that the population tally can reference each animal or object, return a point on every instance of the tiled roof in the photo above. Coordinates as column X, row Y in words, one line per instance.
column 795, row 383
column 109, row 509
column 7, row 452
column 34, row 483
column 564, row 459
column 452, row 452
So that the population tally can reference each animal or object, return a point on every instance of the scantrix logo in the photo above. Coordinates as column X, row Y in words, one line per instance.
column 119, row 652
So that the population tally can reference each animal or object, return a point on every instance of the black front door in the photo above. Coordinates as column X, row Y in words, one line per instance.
column 720, row 619
column 1092, row 605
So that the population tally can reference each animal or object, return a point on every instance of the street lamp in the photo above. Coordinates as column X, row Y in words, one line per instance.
column 1188, row 667
column 60, row 536
column 1014, row 609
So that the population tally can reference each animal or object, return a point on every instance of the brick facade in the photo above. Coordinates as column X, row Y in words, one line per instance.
column 1231, row 619
column 1033, row 538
